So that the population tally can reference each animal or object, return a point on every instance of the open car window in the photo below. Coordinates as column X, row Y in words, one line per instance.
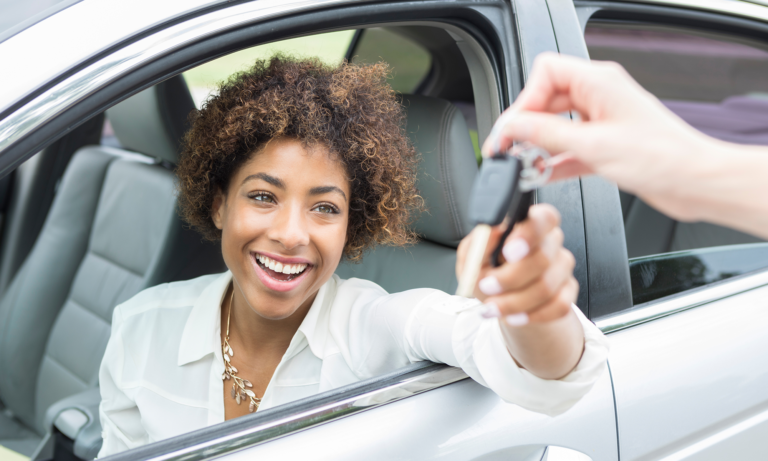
column 716, row 83
column 130, row 169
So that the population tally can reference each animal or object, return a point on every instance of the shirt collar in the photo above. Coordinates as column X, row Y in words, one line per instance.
column 202, row 332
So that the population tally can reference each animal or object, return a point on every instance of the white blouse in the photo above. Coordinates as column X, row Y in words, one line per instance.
column 161, row 373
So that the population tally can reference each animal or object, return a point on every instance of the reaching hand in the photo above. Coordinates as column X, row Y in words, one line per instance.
column 625, row 134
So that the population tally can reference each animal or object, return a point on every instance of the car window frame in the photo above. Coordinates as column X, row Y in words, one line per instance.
column 717, row 18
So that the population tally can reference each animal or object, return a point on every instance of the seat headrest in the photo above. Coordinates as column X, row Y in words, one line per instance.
column 154, row 121
column 447, row 170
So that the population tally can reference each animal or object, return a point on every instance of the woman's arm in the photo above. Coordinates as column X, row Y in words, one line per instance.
column 532, row 294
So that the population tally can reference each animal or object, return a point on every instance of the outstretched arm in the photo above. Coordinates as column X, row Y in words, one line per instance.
column 532, row 294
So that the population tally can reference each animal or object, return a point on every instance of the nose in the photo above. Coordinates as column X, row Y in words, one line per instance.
column 290, row 227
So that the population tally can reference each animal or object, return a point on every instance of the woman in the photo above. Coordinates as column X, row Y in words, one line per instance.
column 294, row 166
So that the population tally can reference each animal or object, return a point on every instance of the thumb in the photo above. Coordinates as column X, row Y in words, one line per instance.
column 552, row 133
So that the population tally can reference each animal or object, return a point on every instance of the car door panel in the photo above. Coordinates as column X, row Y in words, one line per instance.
column 460, row 421
column 682, row 379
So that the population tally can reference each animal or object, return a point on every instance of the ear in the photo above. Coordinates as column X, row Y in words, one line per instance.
column 217, row 209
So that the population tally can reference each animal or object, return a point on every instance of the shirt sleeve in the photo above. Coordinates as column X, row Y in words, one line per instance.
column 120, row 418
column 449, row 329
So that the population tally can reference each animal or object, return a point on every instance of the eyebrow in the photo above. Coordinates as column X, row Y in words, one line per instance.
column 325, row 189
column 277, row 182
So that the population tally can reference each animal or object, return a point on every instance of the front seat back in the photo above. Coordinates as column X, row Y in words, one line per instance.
column 112, row 231
column 446, row 173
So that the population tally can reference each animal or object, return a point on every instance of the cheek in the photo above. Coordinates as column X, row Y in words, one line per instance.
column 244, row 224
column 333, row 238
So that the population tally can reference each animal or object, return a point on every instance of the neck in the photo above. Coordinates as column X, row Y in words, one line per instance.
column 259, row 335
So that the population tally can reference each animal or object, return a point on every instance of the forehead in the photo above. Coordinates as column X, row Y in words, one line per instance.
column 293, row 161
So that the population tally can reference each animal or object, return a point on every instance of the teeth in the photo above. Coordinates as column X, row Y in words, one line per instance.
column 279, row 267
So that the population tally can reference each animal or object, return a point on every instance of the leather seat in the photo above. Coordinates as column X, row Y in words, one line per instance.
column 112, row 231
column 447, row 170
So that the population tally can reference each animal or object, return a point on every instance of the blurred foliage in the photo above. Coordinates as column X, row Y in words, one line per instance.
column 330, row 48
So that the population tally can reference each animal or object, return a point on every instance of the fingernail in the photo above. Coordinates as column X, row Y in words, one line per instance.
column 490, row 311
column 517, row 320
column 515, row 250
column 490, row 286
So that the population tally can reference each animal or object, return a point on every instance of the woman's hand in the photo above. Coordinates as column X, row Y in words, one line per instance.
column 532, row 292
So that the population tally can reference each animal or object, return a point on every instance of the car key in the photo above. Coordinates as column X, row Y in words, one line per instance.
column 502, row 191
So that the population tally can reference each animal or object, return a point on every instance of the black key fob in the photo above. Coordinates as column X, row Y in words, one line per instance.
column 496, row 196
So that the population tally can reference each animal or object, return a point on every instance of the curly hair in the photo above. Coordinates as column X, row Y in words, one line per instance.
column 348, row 109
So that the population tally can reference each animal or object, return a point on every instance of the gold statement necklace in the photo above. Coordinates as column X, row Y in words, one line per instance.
column 241, row 388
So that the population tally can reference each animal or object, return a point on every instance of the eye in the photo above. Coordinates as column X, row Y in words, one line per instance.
column 326, row 208
column 264, row 197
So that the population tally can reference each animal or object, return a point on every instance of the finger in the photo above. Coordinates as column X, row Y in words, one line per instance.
column 463, row 250
column 586, row 84
column 517, row 276
column 527, row 235
column 540, row 292
column 461, row 254
column 553, row 133
column 558, row 307
column 566, row 166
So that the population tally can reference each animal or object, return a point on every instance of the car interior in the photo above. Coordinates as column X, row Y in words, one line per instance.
column 91, row 221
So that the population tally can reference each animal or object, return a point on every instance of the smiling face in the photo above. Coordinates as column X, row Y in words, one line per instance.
column 283, row 224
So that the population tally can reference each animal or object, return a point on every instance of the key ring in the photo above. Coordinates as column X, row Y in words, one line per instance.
column 532, row 156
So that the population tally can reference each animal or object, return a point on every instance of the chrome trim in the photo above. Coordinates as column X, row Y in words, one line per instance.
column 431, row 378
column 99, row 74
column 679, row 303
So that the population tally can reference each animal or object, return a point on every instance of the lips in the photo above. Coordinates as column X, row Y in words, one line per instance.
column 280, row 274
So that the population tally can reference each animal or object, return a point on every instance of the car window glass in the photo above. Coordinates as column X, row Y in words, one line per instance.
column 203, row 80
column 409, row 61
column 718, row 85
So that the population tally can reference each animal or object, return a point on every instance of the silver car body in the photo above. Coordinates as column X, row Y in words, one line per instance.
column 688, row 374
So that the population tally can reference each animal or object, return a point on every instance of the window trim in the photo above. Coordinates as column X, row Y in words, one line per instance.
column 261, row 427
column 662, row 307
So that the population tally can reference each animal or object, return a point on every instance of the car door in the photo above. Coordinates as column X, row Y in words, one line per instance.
column 688, row 361
column 426, row 410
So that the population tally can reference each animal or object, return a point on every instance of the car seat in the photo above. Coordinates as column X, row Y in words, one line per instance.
column 446, row 172
column 112, row 231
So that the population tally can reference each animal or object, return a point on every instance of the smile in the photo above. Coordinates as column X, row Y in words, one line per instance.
column 279, row 271
column 281, row 275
